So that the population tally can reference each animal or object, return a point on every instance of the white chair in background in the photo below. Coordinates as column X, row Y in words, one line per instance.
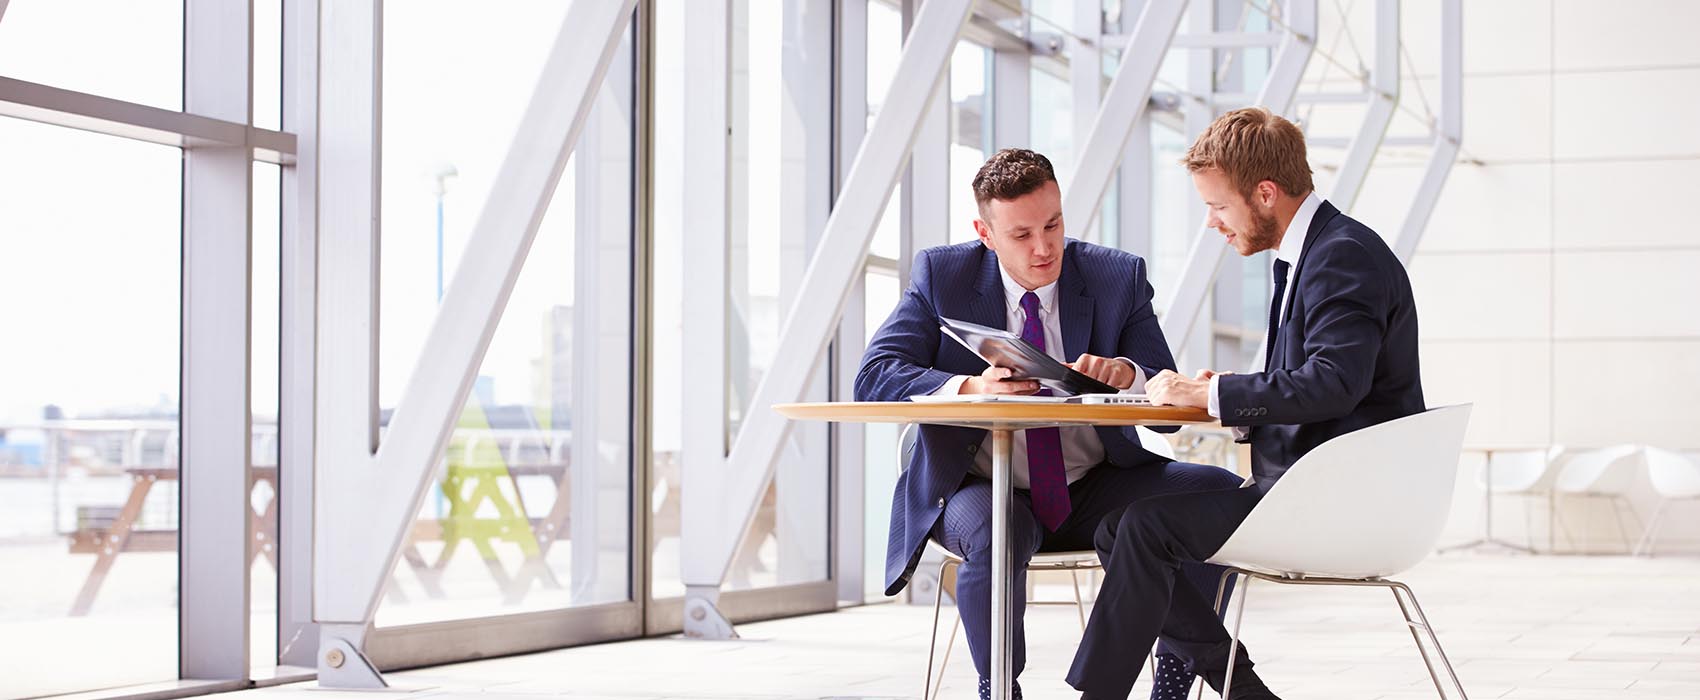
column 1674, row 477
column 1358, row 508
column 1072, row 562
column 1527, row 473
column 1607, row 473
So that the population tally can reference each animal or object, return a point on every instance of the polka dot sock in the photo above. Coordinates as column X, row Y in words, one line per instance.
column 986, row 689
column 1171, row 681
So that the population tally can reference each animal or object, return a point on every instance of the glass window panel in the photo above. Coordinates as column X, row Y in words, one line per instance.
column 530, row 507
column 263, row 398
column 1171, row 193
column 885, row 46
column 129, row 50
column 667, row 315
column 970, row 133
column 90, row 251
column 1053, row 122
column 268, row 64
column 770, row 246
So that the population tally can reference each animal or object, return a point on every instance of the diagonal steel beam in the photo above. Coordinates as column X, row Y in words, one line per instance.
column 1448, row 133
column 379, row 494
column 1207, row 251
column 1130, row 91
column 822, row 295
column 1383, row 99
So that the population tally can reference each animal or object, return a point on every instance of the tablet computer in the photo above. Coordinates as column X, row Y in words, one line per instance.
column 1005, row 349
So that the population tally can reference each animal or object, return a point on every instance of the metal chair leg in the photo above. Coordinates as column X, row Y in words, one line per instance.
column 1234, row 639
column 933, row 640
column 949, row 644
column 1079, row 604
column 1221, row 589
column 1650, row 535
column 1434, row 639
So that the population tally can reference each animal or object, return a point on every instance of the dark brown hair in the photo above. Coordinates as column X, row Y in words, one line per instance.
column 1252, row 145
column 1009, row 174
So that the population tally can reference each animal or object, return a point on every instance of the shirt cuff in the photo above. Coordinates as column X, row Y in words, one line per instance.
column 1138, row 385
column 1214, row 405
column 952, row 386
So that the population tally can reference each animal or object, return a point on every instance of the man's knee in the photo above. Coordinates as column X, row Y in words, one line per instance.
column 1023, row 540
column 1203, row 477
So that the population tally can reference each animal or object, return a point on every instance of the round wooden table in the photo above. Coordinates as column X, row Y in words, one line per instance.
column 1002, row 419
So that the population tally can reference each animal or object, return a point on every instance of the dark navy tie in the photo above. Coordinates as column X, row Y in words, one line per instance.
column 1045, row 472
column 1275, row 312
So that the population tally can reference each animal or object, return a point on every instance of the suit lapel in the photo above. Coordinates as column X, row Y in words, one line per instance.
column 988, row 308
column 1074, row 308
column 1318, row 222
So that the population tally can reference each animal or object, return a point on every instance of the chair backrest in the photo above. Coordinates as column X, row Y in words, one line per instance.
column 1605, row 471
column 1365, row 504
column 1672, row 474
column 1523, row 471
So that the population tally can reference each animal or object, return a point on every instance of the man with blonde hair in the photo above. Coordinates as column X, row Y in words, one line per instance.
column 1341, row 355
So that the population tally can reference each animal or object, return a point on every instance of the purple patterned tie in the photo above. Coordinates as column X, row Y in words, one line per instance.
column 1044, row 445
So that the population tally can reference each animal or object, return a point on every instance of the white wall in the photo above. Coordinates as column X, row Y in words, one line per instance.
column 1559, row 279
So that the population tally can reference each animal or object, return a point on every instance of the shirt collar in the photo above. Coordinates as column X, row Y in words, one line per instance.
column 1013, row 291
column 1293, row 241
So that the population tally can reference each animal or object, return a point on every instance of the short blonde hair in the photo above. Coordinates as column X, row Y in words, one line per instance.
column 1252, row 145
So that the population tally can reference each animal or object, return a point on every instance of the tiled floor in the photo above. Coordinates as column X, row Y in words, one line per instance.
column 1558, row 628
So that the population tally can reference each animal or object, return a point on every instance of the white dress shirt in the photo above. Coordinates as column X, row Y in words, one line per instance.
column 1081, row 448
column 1292, row 245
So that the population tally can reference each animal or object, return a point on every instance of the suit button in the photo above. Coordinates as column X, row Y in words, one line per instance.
column 941, row 503
column 973, row 448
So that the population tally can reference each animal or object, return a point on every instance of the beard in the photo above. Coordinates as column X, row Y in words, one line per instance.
column 1262, row 236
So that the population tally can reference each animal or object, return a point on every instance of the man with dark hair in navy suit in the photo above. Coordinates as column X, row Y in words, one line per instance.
column 1341, row 355
column 1083, row 304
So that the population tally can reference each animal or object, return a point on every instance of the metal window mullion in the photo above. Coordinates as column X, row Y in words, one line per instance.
column 850, row 118
column 104, row 115
column 925, row 220
column 1384, row 98
column 297, row 636
column 216, row 531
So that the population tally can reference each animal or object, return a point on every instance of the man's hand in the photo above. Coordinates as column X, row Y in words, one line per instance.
column 1171, row 389
column 994, row 381
column 1109, row 371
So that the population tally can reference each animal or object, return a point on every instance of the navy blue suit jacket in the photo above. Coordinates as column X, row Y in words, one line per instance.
column 1345, row 354
column 1104, row 305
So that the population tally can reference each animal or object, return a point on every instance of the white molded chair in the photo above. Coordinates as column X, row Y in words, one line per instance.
column 1674, row 477
column 1528, row 473
column 1607, row 473
column 1358, row 508
column 1072, row 562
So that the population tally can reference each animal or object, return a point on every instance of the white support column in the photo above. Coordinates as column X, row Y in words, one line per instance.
column 1448, row 135
column 217, row 193
column 805, row 200
column 1383, row 99
column 849, row 497
column 707, row 165
column 1012, row 78
column 712, row 538
column 345, row 402
column 1129, row 93
column 381, row 492
column 926, row 188
column 297, row 636
column 1086, row 86
column 1205, row 255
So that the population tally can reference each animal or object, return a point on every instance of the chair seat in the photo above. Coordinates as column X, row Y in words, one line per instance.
column 1052, row 561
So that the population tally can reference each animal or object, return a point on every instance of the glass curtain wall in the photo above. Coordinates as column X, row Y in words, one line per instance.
column 531, row 502
column 90, row 266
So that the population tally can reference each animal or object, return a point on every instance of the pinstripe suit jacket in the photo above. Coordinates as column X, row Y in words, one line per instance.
column 1104, row 304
